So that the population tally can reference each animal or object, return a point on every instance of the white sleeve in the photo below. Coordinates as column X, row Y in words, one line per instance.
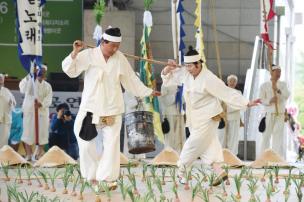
column 74, row 67
column 231, row 97
column 47, row 100
column 263, row 95
column 284, row 93
column 131, row 82
column 175, row 77
column 25, row 84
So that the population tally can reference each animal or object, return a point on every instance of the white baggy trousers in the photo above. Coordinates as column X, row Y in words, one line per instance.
column 233, row 128
column 100, row 157
column 275, row 131
column 203, row 142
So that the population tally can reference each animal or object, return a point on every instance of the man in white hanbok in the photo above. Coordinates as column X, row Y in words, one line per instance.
column 105, row 69
column 202, row 92
column 7, row 103
column 37, row 94
column 171, row 110
column 233, row 120
column 272, row 93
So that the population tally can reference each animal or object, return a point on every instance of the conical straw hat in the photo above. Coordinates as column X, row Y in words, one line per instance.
column 54, row 157
column 9, row 156
column 167, row 157
column 231, row 159
column 123, row 159
column 269, row 158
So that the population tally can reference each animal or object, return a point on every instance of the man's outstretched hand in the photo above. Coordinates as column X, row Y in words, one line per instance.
column 254, row 103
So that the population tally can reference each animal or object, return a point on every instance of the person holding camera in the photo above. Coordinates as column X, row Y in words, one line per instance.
column 62, row 135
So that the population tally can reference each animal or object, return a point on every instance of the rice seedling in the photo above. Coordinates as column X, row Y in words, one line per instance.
column 149, row 185
column 56, row 199
column 144, row 171
column 132, row 180
column 271, row 181
column 163, row 171
column 221, row 198
column 44, row 176
column 298, row 189
column 287, row 185
column 53, row 177
column 29, row 172
column 122, row 187
column 205, row 195
column 264, row 175
column 26, row 197
column 12, row 193
column 276, row 170
column 134, row 198
column 202, row 171
column 84, row 184
column 37, row 178
column 195, row 190
column 211, row 179
column 160, row 189
column 19, row 175
column 65, row 180
column 129, row 166
column 153, row 171
column 269, row 191
column 234, row 198
column 173, row 176
column 226, row 168
column 224, row 194
column 252, row 187
column 174, row 190
column 238, row 183
column 5, row 169
column 42, row 198
column 105, row 187
column 75, row 183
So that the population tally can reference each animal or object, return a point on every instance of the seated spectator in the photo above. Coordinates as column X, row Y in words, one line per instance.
column 62, row 133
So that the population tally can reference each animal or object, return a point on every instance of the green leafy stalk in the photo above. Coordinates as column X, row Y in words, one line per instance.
column 252, row 187
column 37, row 178
column 276, row 170
column 99, row 10
column 211, row 178
column 226, row 168
column 29, row 172
column 132, row 180
column 144, row 171
column 298, row 189
column 147, row 4
column 5, row 169
column 195, row 191
column 173, row 176
column 53, row 177
column 160, row 188
column 174, row 189
column 19, row 176
column 65, row 180
column 238, row 183
column 75, row 183
column 129, row 166
column 121, row 185
column 24, row 196
column 84, row 184
column 205, row 195
column 44, row 175
column 163, row 171
column 105, row 187
column 153, row 171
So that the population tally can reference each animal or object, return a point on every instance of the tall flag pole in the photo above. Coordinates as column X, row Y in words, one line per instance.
column 99, row 10
column 147, row 71
column 199, row 30
column 181, row 32
column 267, row 15
column 174, row 29
column 30, row 35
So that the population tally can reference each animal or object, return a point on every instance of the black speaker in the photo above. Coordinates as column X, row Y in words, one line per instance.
column 251, row 147
column 61, row 82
